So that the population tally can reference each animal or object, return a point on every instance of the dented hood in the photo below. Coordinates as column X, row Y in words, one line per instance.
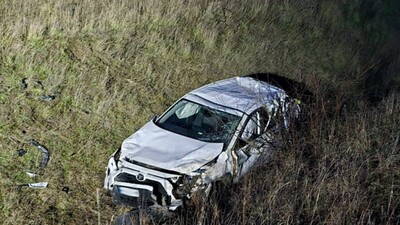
column 160, row 148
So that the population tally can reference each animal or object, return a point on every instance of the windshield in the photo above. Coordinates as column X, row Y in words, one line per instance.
column 199, row 122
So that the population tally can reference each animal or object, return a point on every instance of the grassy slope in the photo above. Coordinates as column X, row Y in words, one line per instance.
column 113, row 64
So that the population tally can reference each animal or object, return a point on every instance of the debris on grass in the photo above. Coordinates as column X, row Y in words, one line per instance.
column 21, row 152
column 45, row 153
column 30, row 174
column 65, row 189
column 40, row 185
column 40, row 84
column 47, row 98
column 23, row 84
column 42, row 165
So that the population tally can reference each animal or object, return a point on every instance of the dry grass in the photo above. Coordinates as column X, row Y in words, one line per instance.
column 113, row 64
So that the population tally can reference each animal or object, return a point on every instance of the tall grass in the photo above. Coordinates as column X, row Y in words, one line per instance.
column 113, row 64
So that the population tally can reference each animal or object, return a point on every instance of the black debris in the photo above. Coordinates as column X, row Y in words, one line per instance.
column 47, row 98
column 21, row 152
column 39, row 83
column 45, row 153
column 65, row 189
column 23, row 83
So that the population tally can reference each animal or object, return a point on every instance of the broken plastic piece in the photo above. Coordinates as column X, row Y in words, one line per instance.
column 21, row 152
column 45, row 153
column 47, row 98
column 39, row 83
column 65, row 189
column 39, row 185
column 30, row 174
column 23, row 83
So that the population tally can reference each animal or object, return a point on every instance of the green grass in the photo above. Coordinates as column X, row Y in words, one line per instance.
column 115, row 64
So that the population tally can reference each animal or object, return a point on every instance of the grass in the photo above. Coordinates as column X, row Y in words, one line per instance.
column 114, row 64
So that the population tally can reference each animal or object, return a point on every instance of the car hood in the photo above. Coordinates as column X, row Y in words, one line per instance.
column 160, row 148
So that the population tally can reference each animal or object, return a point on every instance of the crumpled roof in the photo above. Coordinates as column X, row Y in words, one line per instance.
column 242, row 93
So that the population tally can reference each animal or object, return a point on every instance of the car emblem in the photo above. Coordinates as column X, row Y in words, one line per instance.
column 140, row 177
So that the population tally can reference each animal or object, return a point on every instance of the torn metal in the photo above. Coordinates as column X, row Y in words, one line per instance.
column 45, row 153
column 218, row 132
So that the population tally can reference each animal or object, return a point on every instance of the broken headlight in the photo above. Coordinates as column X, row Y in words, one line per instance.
column 185, row 186
column 188, row 184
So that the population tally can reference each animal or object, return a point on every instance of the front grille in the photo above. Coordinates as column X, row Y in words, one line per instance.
column 145, row 200
column 158, row 190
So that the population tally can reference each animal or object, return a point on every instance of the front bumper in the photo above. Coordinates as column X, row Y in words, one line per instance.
column 139, row 186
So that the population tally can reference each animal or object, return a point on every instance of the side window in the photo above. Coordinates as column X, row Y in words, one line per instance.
column 255, row 125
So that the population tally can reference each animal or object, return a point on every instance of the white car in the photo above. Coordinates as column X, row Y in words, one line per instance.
column 216, row 132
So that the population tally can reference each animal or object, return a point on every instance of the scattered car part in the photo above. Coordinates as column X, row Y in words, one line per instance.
column 65, row 189
column 45, row 153
column 30, row 174
column 23, row 84
column 21, row 152
column 217, row 132
column 47, row 98
column 39, row 83
column 39, row 185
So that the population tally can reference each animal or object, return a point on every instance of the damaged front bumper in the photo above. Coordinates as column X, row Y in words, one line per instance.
column 139, row 186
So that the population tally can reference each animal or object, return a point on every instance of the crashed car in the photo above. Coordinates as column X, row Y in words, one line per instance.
column 217, row 132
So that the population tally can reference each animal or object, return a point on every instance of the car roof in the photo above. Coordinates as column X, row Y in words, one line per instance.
column 239, row 93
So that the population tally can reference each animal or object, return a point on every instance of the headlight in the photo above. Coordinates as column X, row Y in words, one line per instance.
column 185, row 186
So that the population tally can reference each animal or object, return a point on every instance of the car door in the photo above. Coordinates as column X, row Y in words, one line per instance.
column 254, row 140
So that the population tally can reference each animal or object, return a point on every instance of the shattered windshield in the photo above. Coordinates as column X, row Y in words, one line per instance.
column 199, row 122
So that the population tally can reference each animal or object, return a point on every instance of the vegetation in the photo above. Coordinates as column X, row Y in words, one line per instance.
column 113, row 64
